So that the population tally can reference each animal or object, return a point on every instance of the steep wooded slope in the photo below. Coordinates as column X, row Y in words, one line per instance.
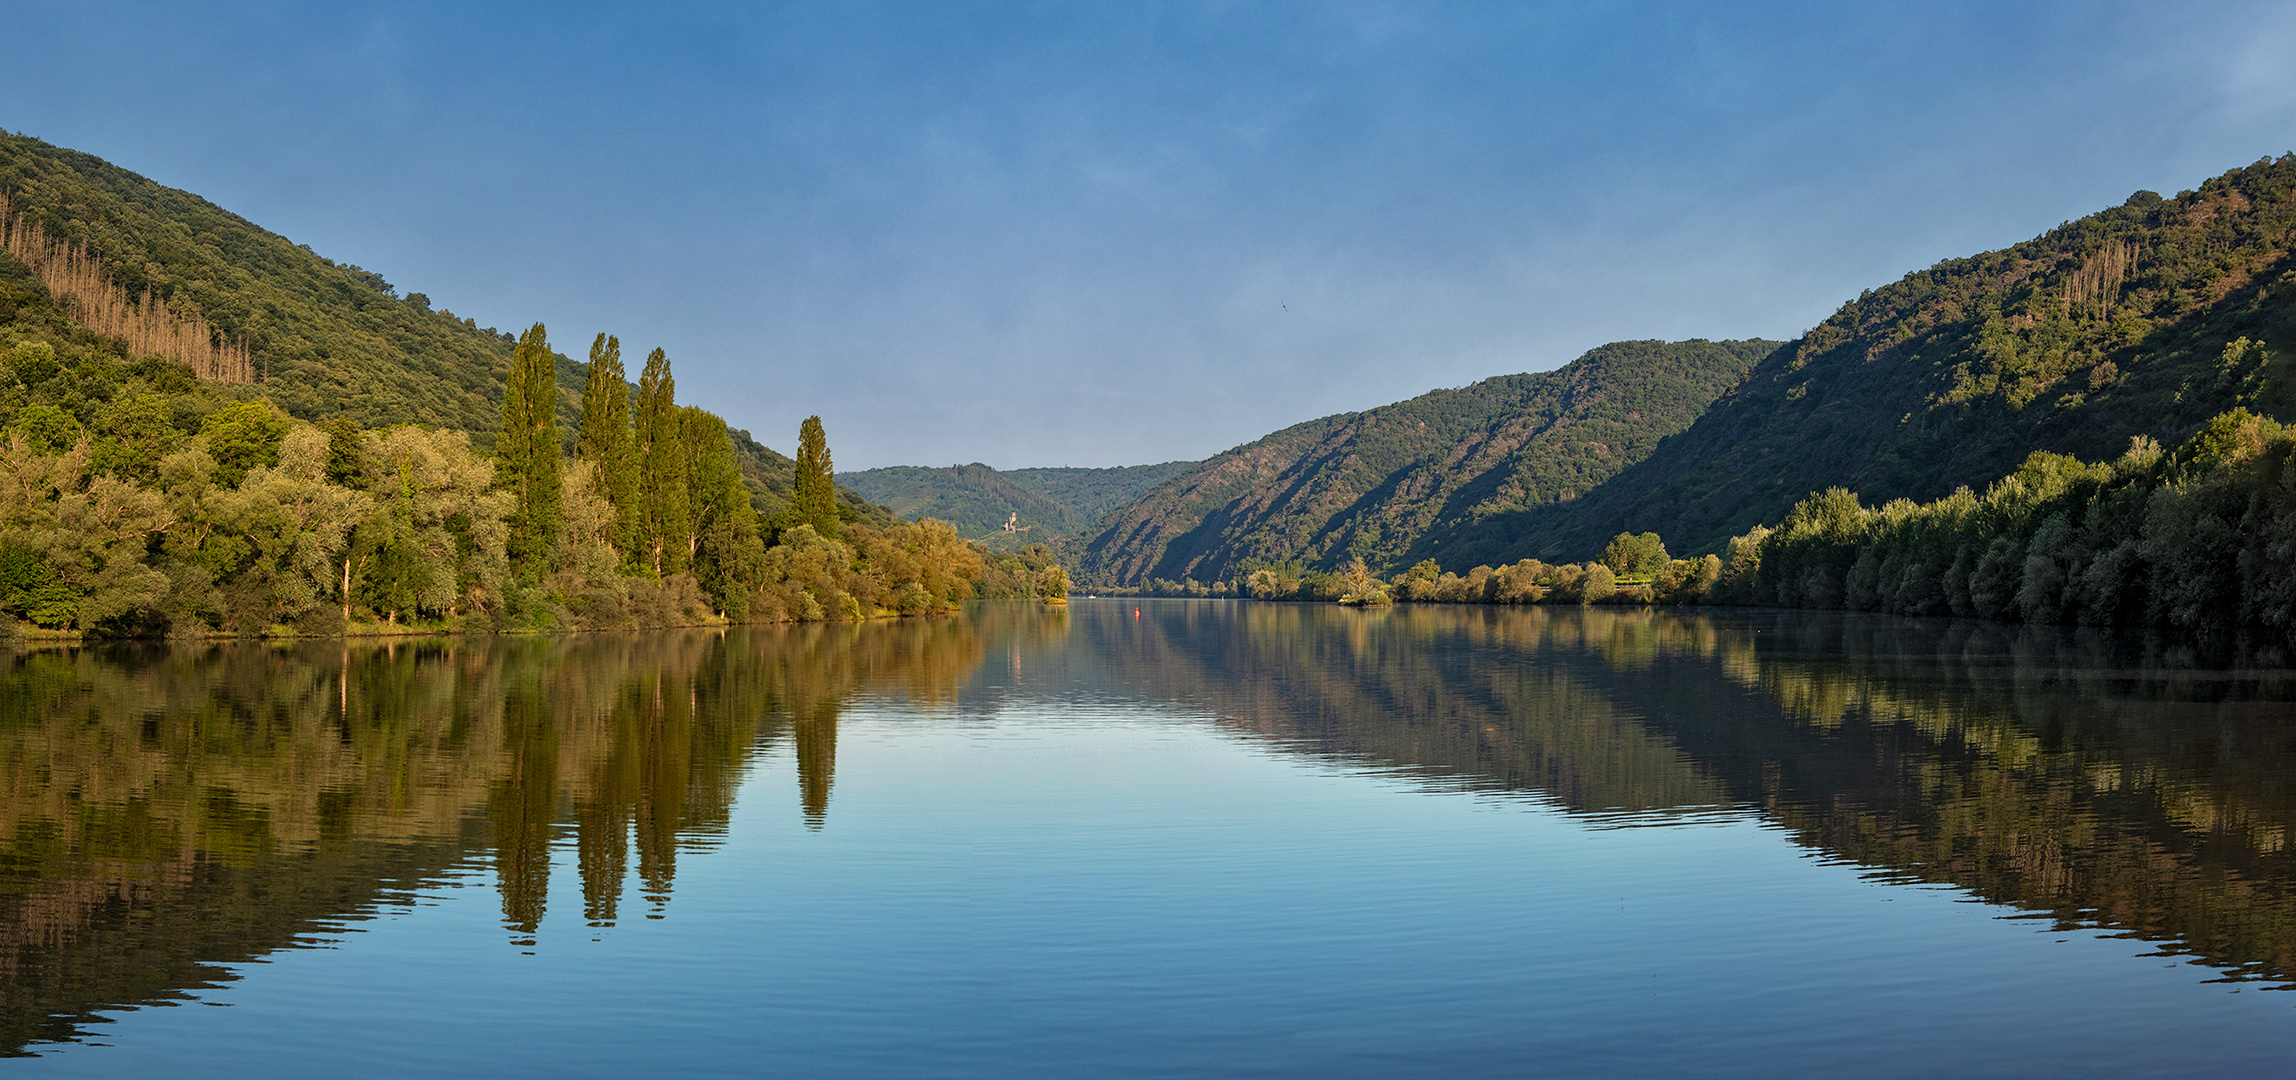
column 1390, row 483
column 327, row 338
column 975, row 498
column 2098, row 330
column 1093, row 494
column 1052, row 503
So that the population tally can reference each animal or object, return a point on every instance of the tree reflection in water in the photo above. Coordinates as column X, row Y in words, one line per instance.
column 2092, row 779
column 165, row 811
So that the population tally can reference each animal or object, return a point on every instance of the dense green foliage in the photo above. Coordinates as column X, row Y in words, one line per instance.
column 1045, row 505
column 528, row 447
column 661, row 452
column 328, row 338
column 812, row 493
column 700, row 547
column 1032, row 571
column 1422, row 478
column 1092, row 494
column 770, row 475
column 2201, row 540
column 255, row 523
column 605, row 441
column 980, row 501
column 57, row 379
column 2073, row 342
column 1527, row 582
column 1629, row 555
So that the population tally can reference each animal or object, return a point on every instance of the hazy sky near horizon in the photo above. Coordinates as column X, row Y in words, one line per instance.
column 1105, row 234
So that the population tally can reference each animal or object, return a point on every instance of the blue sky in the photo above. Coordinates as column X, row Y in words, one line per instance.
column 1103, row 234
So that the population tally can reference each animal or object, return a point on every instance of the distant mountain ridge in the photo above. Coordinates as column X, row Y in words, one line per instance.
column 1399, row 483
column 1051, row 504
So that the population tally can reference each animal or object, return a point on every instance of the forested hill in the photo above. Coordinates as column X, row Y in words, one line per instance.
column 324, row 339
column 1050, row 504
column 327, row 338
column 1394, row 482
column 2101, row 329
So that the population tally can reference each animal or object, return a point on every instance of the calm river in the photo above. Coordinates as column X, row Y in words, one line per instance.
column 1155, row 838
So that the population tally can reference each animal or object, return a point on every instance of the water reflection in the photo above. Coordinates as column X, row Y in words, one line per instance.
column 1476, row 698
column 165, row 811
column 2077, row 775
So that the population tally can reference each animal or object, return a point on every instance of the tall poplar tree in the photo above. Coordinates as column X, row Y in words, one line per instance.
column 529, row 452
column 662, row 469
column 607, row 443
column 813, row 494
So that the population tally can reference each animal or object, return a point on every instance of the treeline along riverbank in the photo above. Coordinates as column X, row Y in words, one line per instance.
column 139, row 500
column 2199, row 541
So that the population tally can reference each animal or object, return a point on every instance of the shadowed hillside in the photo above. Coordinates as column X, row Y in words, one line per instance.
column 1412, row 480
column 2098, row 330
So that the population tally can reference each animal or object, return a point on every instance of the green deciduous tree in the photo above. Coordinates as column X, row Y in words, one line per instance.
column 71, row 543
column 433, row 543
column 1633, row 556
column 590, row 568
column 32, row 362
column 346, row 451
column 1358, row 586
column 47, row 429
column 286, row 528
column 132, row 434
column 1052, row 583
column 1598, row 584
column 2201, row 541
column 243, row 437
column 726, row 548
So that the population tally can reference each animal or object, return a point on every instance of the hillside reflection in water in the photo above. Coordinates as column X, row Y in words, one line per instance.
column 168, row 812
column 2077, row 775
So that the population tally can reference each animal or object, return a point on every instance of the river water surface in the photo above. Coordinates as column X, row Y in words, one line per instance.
column 1155, row 838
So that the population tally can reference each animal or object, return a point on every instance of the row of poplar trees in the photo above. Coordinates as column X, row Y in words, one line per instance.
column 678, row 504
